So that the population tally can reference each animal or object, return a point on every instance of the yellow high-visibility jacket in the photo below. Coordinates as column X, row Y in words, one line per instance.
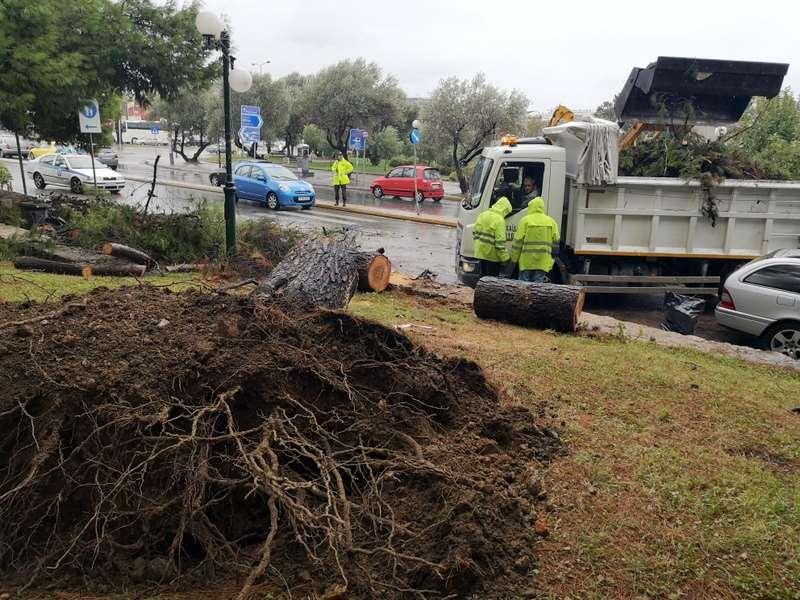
column 489, row 233
column 341, row 169
column 536, row 236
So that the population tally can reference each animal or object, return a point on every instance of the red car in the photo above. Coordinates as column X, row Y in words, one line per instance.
column 400, row 182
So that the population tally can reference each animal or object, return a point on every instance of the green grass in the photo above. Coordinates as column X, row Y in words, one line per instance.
column 684, row 474
column 20, row 286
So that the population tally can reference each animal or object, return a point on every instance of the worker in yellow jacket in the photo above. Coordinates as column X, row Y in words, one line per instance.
column 341, row 168
column 536, row 238
column 489, row 237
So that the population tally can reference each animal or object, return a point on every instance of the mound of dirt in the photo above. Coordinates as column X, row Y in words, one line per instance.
column 180, row 439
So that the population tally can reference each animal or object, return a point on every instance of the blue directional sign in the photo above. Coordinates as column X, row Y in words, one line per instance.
column 356, row 141
column 251, row 135
column 413, row 137
column 251, row 116
column 155, row 129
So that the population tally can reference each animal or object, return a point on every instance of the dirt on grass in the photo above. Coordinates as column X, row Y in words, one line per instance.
column 162, row 441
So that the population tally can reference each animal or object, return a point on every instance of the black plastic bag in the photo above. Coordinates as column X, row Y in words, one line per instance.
column 681, row 312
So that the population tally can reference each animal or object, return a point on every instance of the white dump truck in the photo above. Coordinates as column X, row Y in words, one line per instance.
column 629, row 234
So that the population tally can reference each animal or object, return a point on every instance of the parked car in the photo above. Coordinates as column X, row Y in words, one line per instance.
column 73, row 171
column 108, row 157
column 273, row 184
column 762, row 298
column 400, row 182
column 8, row 146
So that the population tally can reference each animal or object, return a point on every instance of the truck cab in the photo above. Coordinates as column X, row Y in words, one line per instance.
column 500, row 172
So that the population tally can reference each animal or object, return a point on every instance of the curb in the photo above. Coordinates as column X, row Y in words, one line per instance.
column 323, row 204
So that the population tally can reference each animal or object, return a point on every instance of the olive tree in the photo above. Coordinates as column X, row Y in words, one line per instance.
column 351, row 93
column 463, row 115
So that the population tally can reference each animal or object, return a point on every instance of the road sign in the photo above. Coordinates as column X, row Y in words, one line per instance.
column 155, row 129
column 251, row 135
column 413, row 137
column 356, row 140
column 89, row 117
column 251, row 116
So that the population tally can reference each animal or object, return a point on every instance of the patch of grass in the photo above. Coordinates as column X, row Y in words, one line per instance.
column 684, row 474
column 19, row 286
column 10, row 214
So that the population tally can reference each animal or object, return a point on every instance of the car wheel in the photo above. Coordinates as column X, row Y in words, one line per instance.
column 75, row 185
column 213, row 179
column 38, row 181
column 135, row 140
column 784, row 338
column 272, row 201
column 437, row 199
column 306, row 207
column 377, row 191
column 420, row 197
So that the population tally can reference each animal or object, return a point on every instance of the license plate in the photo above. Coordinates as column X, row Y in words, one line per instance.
column 437, row 185
column 303, row 198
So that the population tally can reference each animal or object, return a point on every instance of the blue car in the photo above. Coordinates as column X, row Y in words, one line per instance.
column 272, row 184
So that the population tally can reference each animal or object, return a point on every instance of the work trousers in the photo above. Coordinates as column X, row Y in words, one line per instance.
column 533, row 276
column 336, row 189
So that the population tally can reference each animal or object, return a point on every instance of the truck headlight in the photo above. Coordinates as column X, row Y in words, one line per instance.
column 467, row 267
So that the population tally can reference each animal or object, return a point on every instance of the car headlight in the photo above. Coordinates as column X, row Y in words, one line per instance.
column 283, row 187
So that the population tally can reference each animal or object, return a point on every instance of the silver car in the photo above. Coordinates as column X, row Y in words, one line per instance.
column 762, row 298
column 73, row 171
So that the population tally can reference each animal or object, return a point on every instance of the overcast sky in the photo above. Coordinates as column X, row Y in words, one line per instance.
column 576, row 53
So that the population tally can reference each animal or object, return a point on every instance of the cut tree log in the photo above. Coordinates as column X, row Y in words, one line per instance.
column 374, row 270
column 320, row 272
column 132, row 254
column 539, row 305
column 117, row 270
column 29, row 263
column 186, row 267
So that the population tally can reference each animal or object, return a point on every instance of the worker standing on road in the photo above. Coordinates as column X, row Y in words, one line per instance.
column 489, row 236
column 536, row 238
column 341, row 168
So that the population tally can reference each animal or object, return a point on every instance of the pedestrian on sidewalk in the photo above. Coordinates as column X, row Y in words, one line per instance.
column 341, row 168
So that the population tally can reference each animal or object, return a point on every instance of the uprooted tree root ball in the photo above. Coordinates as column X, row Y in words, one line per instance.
column 179, row 439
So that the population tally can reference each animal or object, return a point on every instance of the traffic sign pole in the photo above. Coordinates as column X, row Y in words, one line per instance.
column 416, row 199
column 91, row 153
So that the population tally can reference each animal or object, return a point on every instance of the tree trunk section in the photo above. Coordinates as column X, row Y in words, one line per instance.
column 118, row 270
column 318, row 273
column 374, row 270
column 29, row 263
column 538, row 305
column 132, row 254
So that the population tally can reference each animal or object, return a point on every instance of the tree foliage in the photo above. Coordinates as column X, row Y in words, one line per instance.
column 56, row 54
column 351, row 93
column 384, row 145
column 189, row 118
column 315, row 138
column 606, row 110
column 295, row 85
column 463, row 115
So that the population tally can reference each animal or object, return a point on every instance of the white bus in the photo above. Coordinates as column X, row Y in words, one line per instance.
column 143, row 132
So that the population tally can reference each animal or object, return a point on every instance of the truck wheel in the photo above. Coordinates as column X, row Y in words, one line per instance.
column 784, row 338
column 38, row 181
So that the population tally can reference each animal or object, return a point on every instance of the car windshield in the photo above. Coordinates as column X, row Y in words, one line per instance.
column 281, row 173
column 79, row 162
column 479, row 177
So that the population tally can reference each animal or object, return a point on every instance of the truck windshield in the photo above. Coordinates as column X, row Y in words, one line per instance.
column 478, row 182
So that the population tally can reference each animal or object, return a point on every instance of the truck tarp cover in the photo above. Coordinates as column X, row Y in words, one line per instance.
column 697, row 91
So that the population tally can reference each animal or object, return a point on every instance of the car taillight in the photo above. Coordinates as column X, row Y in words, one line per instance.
column 726, row 301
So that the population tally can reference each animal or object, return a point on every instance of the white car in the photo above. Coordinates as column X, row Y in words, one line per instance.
column 762, row 298
column 73, row 171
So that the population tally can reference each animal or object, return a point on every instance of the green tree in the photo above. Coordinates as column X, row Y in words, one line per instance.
column 295, row 85
column 384, row 145
column 351, row 93
column 56, row 54
column 190, row 120
column 464, row 114
column 315, row 138
column 606, row 110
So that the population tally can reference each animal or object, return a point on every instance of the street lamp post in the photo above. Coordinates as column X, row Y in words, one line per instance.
column 217, row 37
column 260, row 65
